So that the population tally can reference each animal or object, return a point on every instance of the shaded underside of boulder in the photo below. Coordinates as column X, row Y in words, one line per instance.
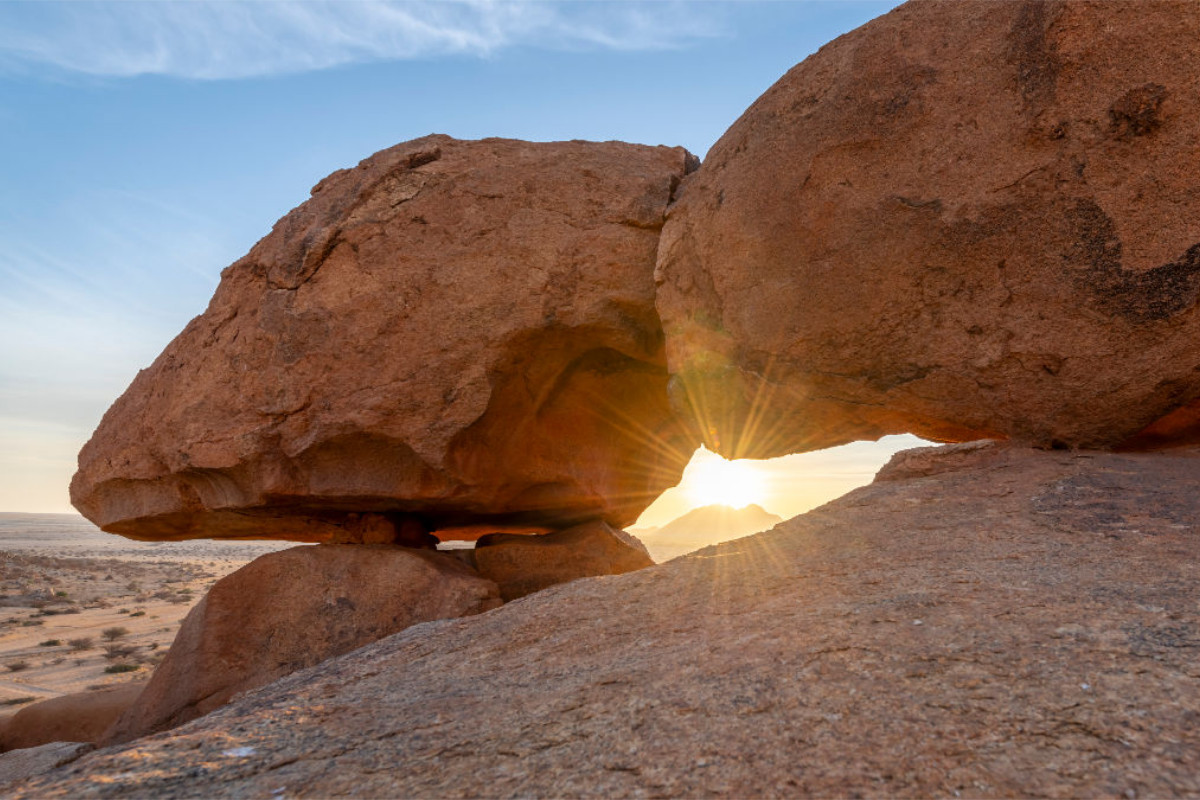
column 458, row 333
column 962, row 220
column 292, row 609
column 522, row 565
column 1013, row 623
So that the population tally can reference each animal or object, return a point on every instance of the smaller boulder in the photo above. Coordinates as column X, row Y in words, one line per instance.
column 523, row 565
column 293, row 609
column 17, row 765
column 78, row 717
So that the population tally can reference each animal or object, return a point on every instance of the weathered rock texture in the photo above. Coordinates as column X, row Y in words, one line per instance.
column 522, row 565
column 292, row 609
column 1025, row 624
column 449, row 334
column 962, row 220
column 78, row 717
column 19, row 765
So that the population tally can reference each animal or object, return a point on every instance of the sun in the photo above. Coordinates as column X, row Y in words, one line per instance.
column 712, row 480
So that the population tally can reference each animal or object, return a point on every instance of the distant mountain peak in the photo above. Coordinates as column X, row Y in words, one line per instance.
column 704, row 526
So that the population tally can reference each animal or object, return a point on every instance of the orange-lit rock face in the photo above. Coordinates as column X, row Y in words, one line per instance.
column 962, row 220
column 461, row 333
column 292, row 609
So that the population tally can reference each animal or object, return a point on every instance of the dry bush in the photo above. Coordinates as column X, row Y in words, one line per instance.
column 122, row 668
column 116, row 650
column 81, row 644
column 112, row 634
column 17, row 666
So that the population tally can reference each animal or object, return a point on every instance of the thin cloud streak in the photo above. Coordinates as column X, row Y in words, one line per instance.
column 239, row 39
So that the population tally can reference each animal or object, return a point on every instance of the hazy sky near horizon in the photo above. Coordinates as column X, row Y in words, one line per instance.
column 145, row 146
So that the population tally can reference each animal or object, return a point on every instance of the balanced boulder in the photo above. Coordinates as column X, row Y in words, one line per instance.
column 962, row 220
column 292, row 609
column 521, row 565
column 428, row 343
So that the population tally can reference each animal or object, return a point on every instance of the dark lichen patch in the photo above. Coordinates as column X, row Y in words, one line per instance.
column 1138, row 112
column 1149, row 295
column 1034, row 54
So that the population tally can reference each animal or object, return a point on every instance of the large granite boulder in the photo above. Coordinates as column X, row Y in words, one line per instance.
column 451, row 334
column 292, row 609
column 1012, row 623
column 963, row 220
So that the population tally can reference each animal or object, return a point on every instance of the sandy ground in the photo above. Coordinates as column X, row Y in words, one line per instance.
column 63, row 584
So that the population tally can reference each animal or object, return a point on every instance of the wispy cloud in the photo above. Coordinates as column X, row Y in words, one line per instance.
column 240, row 38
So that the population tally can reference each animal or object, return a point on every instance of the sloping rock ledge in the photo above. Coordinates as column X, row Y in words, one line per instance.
column 1024, row 623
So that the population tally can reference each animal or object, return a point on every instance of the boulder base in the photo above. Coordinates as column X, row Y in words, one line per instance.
column 963, row 220
column 292, row 609
column 521, row 565
column 426, row 344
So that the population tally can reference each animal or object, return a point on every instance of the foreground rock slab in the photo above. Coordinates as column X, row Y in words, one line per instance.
column 292, row 609
column 522, row 565
column 1025, row 623
column 429, row 342
column 962, row 220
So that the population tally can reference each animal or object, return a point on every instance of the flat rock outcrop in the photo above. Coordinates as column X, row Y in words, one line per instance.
column 76, row 717
column 292, row 609
column 428, row 343
column 962, row 220
column 522, row 565
column 1025, row 624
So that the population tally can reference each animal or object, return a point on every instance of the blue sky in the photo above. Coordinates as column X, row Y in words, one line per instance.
column 147, row 145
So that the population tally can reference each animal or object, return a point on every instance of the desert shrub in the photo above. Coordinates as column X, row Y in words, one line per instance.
column 123, row 611
column 29, row 623
column 17, row 701
column 112, row 634
column 60, row 593
column 138, row 614
column 111, row 668
column 17, row 666
column 50, row 643
column 118, row 650
column 82, row 643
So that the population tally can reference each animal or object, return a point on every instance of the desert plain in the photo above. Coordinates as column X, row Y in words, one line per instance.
column 63, row 583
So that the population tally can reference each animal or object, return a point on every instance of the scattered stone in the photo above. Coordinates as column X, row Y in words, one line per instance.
column 963, row 220
column 426, row 344
column 292, row 609
column 521, row 565
column 78, row 717
column 1050, row 660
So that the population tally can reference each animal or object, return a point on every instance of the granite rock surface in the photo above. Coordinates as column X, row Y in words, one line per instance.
column 1025, row 623
column 962, row 220
column 428, row 343
column 292, row 609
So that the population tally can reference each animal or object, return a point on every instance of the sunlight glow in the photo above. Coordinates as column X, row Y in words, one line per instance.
column 712, row 480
